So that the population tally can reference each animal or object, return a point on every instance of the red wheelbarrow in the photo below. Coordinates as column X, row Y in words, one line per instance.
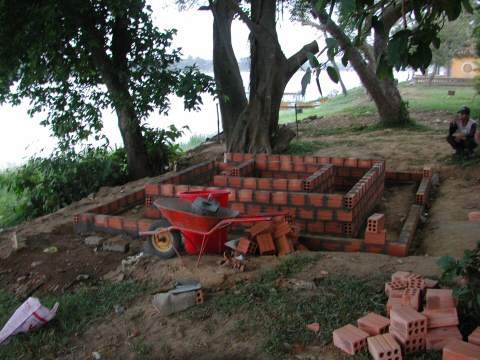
column 165, row 236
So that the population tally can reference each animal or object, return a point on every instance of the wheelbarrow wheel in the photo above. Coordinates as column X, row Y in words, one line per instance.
column 164, row 245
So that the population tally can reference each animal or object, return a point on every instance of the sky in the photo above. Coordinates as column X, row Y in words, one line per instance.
column 22, row 136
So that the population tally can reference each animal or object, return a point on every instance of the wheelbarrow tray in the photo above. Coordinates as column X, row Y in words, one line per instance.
column 180, row 214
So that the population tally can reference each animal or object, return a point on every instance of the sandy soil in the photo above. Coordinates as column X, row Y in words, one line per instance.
column 446, row 231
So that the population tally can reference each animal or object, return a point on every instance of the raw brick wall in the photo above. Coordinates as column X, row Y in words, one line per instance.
column 305, row 186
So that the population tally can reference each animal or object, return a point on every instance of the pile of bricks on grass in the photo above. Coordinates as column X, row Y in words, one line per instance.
column 419, row 317
column 275, row 237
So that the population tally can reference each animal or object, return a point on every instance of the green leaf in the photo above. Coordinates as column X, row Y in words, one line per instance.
column 331, row 42
column 345, row 57
column 348, row 6
column 312, row 59
column 333, row 74
column 306, row 80
column 446, row 262
column 320, row 5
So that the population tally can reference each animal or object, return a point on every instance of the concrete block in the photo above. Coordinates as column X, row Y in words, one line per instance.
column 94, row 241
column 117, row 245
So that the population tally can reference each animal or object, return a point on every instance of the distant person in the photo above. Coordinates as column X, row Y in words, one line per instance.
column 461, row 133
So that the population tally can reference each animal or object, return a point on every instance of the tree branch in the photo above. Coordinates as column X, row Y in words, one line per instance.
column 300, row 57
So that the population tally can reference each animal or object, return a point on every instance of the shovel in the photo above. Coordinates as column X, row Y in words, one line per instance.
column 205, row 207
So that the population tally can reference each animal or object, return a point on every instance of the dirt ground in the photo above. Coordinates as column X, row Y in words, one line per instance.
column 445, row 231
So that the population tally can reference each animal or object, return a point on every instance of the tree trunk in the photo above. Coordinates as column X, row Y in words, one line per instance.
column 384, row 92
column 226, row 71
column 432, row 75
column 256, row 127
column 112, row 69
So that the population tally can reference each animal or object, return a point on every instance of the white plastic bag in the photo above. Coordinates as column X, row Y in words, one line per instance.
column 29, row 316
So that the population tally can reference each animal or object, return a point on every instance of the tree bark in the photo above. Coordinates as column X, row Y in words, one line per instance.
column 256, row 127
column 226, row 71
column 114, row 72
column 432, row 75
column 384, row 92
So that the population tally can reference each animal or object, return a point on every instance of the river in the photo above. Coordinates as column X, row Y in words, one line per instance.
column 22, row 136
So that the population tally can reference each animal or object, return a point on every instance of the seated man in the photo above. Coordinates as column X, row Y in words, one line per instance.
column 464, row 141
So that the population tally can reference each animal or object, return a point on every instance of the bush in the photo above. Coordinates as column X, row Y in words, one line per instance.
column 464, row 276
column 44, row 185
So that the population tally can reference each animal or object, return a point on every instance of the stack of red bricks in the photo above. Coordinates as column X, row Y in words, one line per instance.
column 277, row 236
column 419, row 318
column 376, row 232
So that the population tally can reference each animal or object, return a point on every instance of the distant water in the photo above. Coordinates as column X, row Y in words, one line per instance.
column 22, row 136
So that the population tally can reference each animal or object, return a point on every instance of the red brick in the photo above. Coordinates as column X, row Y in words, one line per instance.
column 376, row 222
column 239, row 207
column 221, row 181
column 281, row 229
column 237, row 157
column 353, row 246
column 397, row 250
column 378, row 238
column 259, row 228
column 439, row 337
column 439, row 299
column 252, row 209
column 297, row 199
column 316, row 227
column 152, row 189
column 265, row 244
column 250, row 183
column 351, row 162
column 400, row 276
column 152, row 212
column 412, row 297
column 295, row 185
column 384, row 347
column 474, row 216
column 262, row 197
column 460, row 350
column 283, row 246
column 101, row 221
column 350, row 339
column 273, row 165
column 337, row 161
column 333, row 228
column 364, row 163
column 130, row 225
column 115, row 222
column 265, row 184
column 310, row 159
column 407, row 322
column 286, row 166
column 344, row 215
column 236, row 182
column 324, row 160
column 334, row 201
column 396, row 294
column 441, row 317
column 315, row 199
column 306, row 214
column 280, row 198
column 374, row 324
column 144, row 225
column 246, row 246
column 391, row 303
column 324, row 214
column 280, row 184
column 411, row 344
column 245, row 195
column 430, row 283
column 427, row 171
column 474, row 337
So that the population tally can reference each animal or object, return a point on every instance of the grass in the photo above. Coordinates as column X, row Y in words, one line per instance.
column 9, row 215
column 276, row 317
column 311, row 147
column 75, row 311
column 419, row 97
column 194, row 141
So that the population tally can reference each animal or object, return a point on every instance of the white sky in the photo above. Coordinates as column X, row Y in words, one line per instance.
column 22, row 137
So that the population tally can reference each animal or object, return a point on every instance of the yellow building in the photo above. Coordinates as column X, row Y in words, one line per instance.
column 465, row 67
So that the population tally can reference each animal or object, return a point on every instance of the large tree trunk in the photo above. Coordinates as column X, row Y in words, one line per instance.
column 114, row 71
column 384, row 92
column 432, row 75
column 226, row 71
column 256, row 127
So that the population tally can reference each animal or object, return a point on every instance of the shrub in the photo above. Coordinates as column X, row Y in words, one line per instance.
column 464, row 276
column 44, row 185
